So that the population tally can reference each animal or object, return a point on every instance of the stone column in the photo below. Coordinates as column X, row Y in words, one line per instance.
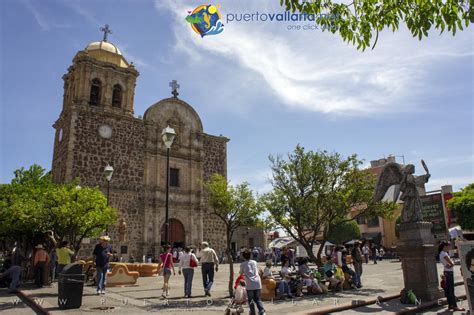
column 417, row 250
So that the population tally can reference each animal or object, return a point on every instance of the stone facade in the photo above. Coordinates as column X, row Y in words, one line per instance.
column 136, row 151
column 249, row 237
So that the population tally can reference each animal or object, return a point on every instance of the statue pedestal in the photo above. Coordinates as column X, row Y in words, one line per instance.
column 417, row 249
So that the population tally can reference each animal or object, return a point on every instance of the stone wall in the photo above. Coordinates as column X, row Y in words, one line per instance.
column 249, row 237
column 215, row 161
column 215, row 155
column 61, row 147
column 125, row 152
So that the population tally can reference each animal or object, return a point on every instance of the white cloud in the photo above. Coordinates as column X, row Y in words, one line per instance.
column 79, row 8
column 259, row 180
column 457, row 182
column 453, row 160
column 317, row 71
column 40, row 19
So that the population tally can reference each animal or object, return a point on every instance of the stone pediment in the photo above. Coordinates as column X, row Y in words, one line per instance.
column 171, row 110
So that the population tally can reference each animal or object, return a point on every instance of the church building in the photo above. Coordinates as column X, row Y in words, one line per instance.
column 97, row 127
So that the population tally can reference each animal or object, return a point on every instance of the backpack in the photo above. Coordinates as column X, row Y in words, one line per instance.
column 404, row 296
column 411, row 297
column 407, row 297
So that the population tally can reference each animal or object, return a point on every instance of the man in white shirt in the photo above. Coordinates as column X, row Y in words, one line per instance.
column 365, row 251
column 253, row 284
column 208, row 258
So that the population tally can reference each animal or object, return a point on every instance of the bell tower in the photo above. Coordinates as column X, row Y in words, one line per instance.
column 99, row 89
column 101, row 77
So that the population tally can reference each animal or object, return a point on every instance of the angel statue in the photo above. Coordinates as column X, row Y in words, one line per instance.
column 393, row 174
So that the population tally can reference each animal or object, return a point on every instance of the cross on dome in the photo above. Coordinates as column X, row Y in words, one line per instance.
column 106, row 31
column 174, row 88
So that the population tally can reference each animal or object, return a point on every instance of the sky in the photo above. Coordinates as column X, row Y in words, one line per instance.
column 261, row 84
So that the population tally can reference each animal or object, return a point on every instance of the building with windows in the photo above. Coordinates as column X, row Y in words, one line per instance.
column 97, row 127
column 378, row 230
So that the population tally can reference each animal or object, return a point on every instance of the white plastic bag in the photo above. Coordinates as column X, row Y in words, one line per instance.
column 240, row 295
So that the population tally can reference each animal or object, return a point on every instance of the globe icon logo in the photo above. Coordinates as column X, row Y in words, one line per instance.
column 205, row 20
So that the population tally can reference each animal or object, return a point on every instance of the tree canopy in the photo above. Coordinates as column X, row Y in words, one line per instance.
column 344, row 232
column 360, row 21
column 313, row 191
column 32, row 206
column 463, row 207
column 235, row 206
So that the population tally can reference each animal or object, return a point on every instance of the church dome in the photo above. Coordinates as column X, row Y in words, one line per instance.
column 103, row 45
column 107, row 52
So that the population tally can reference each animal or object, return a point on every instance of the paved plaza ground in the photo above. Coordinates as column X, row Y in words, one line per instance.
column 382, row 279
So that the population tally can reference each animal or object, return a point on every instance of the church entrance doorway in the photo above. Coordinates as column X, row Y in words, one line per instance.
column 176, row 233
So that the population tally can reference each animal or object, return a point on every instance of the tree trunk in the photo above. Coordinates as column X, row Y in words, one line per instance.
column 231, row 264
column 320, row 250
column 309, row 251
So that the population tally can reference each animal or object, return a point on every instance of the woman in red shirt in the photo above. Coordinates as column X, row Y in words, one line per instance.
column 167, row 265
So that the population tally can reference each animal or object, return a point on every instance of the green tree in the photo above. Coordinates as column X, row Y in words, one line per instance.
column 463, row 207
column 358, row 21
column 344, row 232
column 235, row 206
column 313, row 191
column 32, row 206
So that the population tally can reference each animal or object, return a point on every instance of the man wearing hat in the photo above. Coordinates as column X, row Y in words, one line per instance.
column 208, row 258
column 102, row 252
column 40, row 262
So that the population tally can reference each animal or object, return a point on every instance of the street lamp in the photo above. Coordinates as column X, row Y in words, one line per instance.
column 167, row 135
column 108, row 172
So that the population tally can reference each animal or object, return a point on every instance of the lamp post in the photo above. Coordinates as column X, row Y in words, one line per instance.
column 167, row 135
column 78, row 187
column 108, row 172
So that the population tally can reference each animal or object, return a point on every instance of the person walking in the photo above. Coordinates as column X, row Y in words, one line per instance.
column 102, row 253
column 208, row 258
column 375, row 253
column 187, row 263
column 167, row 264
column 253, row 283
column 366, row 251
column 64, row 254
column 448, row 272
column 40, row 262
column 357, row 260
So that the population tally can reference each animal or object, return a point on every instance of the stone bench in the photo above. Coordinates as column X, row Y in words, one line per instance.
column 144, row 269
column 120, row 275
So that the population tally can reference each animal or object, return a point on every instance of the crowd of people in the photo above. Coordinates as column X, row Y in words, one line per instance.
column 44, row 263
column 342, row 268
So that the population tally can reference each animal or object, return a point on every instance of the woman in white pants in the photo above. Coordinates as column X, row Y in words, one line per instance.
column 187, row 264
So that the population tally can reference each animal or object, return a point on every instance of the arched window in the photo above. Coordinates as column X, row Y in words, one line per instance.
column 95, row 92
column 117, row 96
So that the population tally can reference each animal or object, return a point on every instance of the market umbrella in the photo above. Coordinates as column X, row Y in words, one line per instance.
column 455, row 232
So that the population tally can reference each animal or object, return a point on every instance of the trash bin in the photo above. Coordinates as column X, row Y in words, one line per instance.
column 70, row 286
